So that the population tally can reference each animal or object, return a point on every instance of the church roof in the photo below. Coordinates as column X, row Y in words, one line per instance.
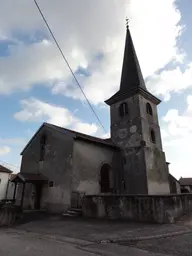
column 76, row 135
column 29, row 177
column 132, row 80
column 185, row 181
column 172, row 177
column 79, row 135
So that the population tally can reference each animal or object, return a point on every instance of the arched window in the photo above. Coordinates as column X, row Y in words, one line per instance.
column 105, row 178
column 43, row 141
column 149, row 109
column 123, row 109
column 153, row 139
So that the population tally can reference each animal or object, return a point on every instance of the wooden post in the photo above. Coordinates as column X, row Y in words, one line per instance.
column 23, row 192
column 14, row 194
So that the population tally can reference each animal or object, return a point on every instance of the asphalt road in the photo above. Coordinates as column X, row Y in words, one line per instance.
column 177, row 246
column 66, row 237
column 22, row 245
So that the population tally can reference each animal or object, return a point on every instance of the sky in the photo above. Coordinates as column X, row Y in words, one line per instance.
column 36, row 85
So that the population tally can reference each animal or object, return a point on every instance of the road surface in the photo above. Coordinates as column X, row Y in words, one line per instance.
column 17, row 243
column 22, row 245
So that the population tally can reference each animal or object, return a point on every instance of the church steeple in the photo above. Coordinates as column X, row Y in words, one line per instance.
column 135, row 130
column 132, row 80
column 131, row 77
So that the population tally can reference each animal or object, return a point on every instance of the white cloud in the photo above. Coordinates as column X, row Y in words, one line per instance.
column 177, row 137
column 171, row 81
column 4, row 150
column 85, row 29
column 85, row 128
column 153, row 52
column 82, row 40
column 30, row 65
column 34, row 110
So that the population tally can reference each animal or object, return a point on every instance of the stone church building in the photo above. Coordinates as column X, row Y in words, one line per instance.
column 59, row 165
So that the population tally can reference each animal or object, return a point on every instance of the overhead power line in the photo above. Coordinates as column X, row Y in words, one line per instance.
column 57, row 44
column 3, row 162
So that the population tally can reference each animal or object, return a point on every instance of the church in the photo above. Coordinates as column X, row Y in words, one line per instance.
column 59, row 166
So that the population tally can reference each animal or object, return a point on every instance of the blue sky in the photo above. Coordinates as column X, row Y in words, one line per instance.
column 36, row 85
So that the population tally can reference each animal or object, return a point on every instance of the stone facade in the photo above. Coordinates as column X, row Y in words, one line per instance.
column 56, row 167
column 70, row 166
column 87, row 162
column 135, row 129
column 145, row 164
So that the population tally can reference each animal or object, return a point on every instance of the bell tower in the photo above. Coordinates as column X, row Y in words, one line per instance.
column 135, row 129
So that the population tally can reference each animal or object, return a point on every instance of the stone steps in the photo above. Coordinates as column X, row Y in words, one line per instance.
column 72, row 212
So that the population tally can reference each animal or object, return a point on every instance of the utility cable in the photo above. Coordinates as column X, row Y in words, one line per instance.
column 57, row 44
column 3, row 162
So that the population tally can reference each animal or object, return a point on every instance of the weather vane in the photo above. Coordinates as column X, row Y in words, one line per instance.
column 127, row 23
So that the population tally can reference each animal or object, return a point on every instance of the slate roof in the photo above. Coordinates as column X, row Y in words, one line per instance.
column 131, row 76
column 4, row 169
column 132, row 80
column 185, row 181
column 173, row 178
column 76, row 135
column 29, row 177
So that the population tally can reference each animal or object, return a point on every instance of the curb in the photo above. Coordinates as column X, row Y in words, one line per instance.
column 84, row 243
column 142, row 238
column 61, row 239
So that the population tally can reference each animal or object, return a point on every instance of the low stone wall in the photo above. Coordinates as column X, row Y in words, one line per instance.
column 145, row 208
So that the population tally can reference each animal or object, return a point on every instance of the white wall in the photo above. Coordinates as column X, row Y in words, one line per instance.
column 10, row 190
column 4, row 177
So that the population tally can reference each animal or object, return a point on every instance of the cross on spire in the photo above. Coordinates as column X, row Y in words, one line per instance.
column 127, row 23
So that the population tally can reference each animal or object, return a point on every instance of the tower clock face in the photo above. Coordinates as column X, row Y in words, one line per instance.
column 122, row 133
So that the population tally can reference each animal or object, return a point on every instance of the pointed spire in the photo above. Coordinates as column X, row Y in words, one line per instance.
column 132, row 81
column 131, row 77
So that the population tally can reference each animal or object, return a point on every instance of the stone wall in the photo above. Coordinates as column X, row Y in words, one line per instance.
column 56, row 167
column 88, row 159
column 145, row 169
column 145, row 208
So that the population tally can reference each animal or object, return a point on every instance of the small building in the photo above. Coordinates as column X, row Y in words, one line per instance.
column 186, row 185
column 174, row 185
column 4, row 179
